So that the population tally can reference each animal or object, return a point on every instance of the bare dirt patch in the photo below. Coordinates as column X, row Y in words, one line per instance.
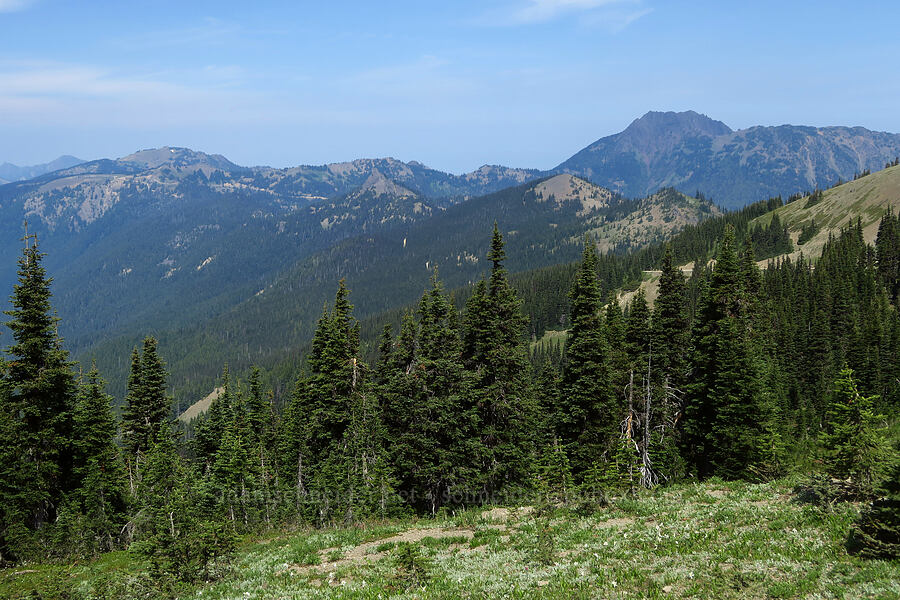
column 617, row 522
column 364, row 553
column 505, row 515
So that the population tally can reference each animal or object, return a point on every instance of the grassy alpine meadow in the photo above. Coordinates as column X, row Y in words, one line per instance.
column 711, row 540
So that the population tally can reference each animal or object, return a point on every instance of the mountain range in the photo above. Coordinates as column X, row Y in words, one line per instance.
column 230, row 263
column 10, row 172
column 691, row 152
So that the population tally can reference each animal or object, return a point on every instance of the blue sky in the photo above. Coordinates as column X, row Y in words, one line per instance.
column 452, row 84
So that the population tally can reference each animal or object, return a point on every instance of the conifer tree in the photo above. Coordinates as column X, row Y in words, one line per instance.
column 670, row 339
column 587, row 416
column 314, row 439
column 16, row 477
column 368, row 485
column 729, row 420
column 400, row 399
column 147, row 405
column 640, row 394
column 133, row 437
column 670, row 326
column 553, row 475
column 174, row 531
column 637, row 333
column 618, row 359
column 260, row 412
column 853, row 442
column 230, row 469
column 494, row 351
column 210, row 431
column 99, row 475
column 157, row 405
column 876, row 534
column 385, row 348
column 40, row 396
column 445, row 416
column 887, row 248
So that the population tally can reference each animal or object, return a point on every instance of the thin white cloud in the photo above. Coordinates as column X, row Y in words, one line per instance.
column 613, row 15
column 14, row 5
column 210, row 31
column 615, row 20
column 538, row 11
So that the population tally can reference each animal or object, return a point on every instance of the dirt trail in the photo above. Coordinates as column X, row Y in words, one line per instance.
column 364, row 553
column 498, row 518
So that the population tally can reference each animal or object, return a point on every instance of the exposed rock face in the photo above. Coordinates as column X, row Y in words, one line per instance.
column 692, row 152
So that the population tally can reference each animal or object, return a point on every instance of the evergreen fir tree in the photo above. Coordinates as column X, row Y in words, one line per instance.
column 260, row 412
column 887, row 248
column 40, row 396
column 173, row 532
column 17, row 477
column 134, row 438
column 553, row 476
column 670, row 324
column 147, row 405
column 729, row 420
column 385, row 347
column 494, row 351
column 368, row 488
column 670, row 339
column 99, row 494
column 230, row 469
column 637, row 333
column 877, row 532
column 313, row 440
column 854, row 443
column 447, row 421
column 587, row 416
column 210, row 431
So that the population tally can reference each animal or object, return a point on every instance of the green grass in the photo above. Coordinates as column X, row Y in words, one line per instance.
column 712, row 540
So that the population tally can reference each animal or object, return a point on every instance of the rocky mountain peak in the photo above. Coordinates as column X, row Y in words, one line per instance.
column 178, row 157
column 675, row 124
column 380, row 185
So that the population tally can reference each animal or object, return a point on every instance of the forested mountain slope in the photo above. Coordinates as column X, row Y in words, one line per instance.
column 131, row 240
column 386, row 264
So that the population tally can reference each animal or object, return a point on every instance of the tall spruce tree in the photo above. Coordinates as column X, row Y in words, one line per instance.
column 16, row 477
column 887, row 248
column 670, row 326
column 447, row 419
column 99, row 494
column 400, row 398
column 670, row 330
column 494, row 351
column 40, row 396
column 588, row 416
column 729, row 420
column 313, row 436
column 146, row 404
column 635, row 430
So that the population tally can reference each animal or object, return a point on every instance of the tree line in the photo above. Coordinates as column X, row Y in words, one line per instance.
column 734, row 372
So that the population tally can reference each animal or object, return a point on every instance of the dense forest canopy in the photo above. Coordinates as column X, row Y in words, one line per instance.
column 734, row 372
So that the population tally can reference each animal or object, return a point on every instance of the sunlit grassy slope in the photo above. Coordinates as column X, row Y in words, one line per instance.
column 867, row 198
column 710, row 540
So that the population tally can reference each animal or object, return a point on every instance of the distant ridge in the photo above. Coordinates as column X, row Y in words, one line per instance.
column 10, row 172
column 691, row 152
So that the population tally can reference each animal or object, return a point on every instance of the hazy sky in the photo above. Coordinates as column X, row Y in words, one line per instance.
column 452, row 84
